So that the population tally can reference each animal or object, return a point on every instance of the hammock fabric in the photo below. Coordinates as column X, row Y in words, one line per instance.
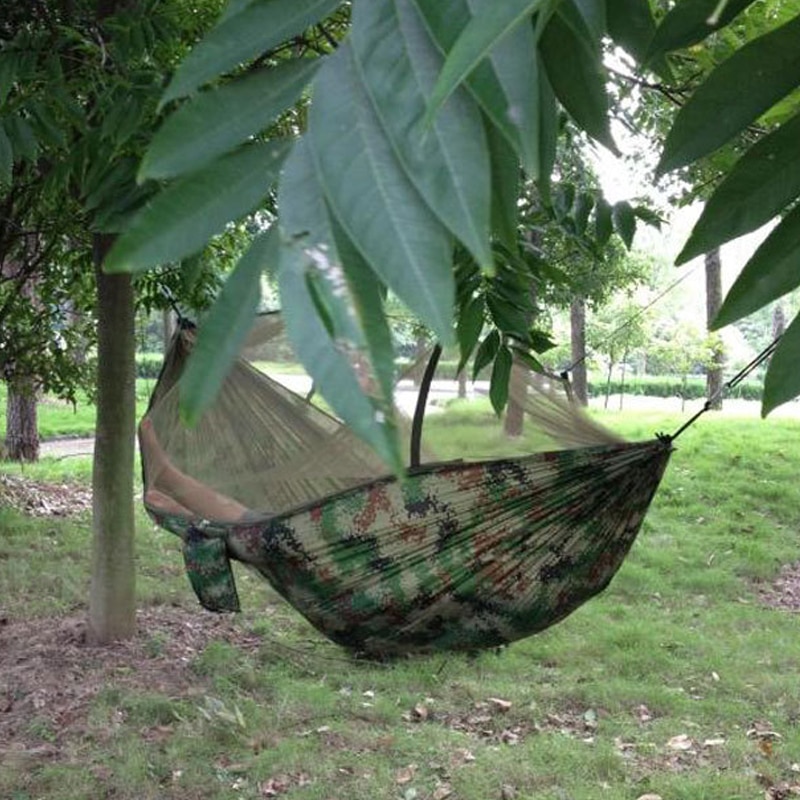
column 452, row 556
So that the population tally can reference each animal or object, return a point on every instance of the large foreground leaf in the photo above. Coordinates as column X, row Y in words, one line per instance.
column 691, row 21
column 372, row 198
column 506, row 83
column 217, row 121
column 577, row 77
column 772, row 271
column 182, row 218
column 782, row 382
column 760, row 184
column 487, row 28
column 262, row 25
column 631, row 25
column 225, row 328
column 313, row 279
column 397, row 64
column 736, row 93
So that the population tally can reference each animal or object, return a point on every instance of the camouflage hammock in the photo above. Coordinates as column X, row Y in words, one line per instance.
column 457, row 555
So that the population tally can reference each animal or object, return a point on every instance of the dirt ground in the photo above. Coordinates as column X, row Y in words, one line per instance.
column 48, row 670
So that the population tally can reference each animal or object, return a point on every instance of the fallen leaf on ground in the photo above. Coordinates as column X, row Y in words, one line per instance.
column 680, row 742
column 499, row 704
column 442, row 792
column 405, row 774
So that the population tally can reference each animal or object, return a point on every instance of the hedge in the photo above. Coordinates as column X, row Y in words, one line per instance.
column 693, row 388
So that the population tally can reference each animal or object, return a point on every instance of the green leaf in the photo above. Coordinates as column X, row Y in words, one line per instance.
column 8, row 74
column 106, row 189
column 486, row 352
column 485, row 31
column 603, row 224
column 587, row 18
column 506, row 84
column 6, row 158
column 772, row 271
column 548, row 131
column 782, row 381
column 367, row 298
column 690, row 22
column 576, row 73
column 470, row 326
column 506, row 179
column 185, row 215
column 501, row 372
column 313, row 242
column 260, row 26
column 509, row 317
column 752, row 80
column 624, row 222
column 584, row 203
column 760, row 184
column 631, row 25
column 225, row 328
column 216, row 121
column 397, row 64
column 23, row 139
column 378, row 207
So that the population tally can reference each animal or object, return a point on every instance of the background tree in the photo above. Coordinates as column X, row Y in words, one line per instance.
column 81, row 86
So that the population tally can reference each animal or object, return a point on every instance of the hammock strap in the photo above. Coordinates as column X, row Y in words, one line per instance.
column 422, row 400
column 732, row 383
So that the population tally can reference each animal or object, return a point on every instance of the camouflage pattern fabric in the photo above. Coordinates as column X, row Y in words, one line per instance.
column 209, row 570
column 456, row 556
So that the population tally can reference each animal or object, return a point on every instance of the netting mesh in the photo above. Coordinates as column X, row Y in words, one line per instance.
column 259, row 443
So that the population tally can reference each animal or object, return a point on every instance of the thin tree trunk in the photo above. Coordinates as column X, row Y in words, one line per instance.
column 112, row 612
column 714, row 374
column 462, row 384
column 622, row 378
column 168, row 320
column 577, row 321
column 22, row 431
column 515, row 410
column 778, row 320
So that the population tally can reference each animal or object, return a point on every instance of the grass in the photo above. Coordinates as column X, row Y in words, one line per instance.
column 657, row 686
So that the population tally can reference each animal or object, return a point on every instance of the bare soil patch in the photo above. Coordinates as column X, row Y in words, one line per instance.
column 784, row 593
column 39, row 499
column 50, row 675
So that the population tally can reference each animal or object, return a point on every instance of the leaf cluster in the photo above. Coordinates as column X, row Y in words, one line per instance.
column 421, row 123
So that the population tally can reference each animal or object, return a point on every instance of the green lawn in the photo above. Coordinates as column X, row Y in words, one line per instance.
column 677, row 681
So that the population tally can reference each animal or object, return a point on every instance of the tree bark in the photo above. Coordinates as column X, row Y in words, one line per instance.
column 714, row 373
column 577, row 320
column 515, row 410
column 462, row 384
column 778, row 320
column 112, row 611
column 22, row 430
column 168, row 320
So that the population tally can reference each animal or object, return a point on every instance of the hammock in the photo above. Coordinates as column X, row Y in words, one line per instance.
column 460, row 555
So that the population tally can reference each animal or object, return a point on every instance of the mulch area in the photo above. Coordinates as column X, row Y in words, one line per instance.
column 49, row 673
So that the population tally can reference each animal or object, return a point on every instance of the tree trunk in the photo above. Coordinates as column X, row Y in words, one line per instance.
column 22, row 431
column 462, row 384
column 714, row 374
column 168, row 320
column 577, row 321
column 515, row 410
column 778, row 320
column 112, row 611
